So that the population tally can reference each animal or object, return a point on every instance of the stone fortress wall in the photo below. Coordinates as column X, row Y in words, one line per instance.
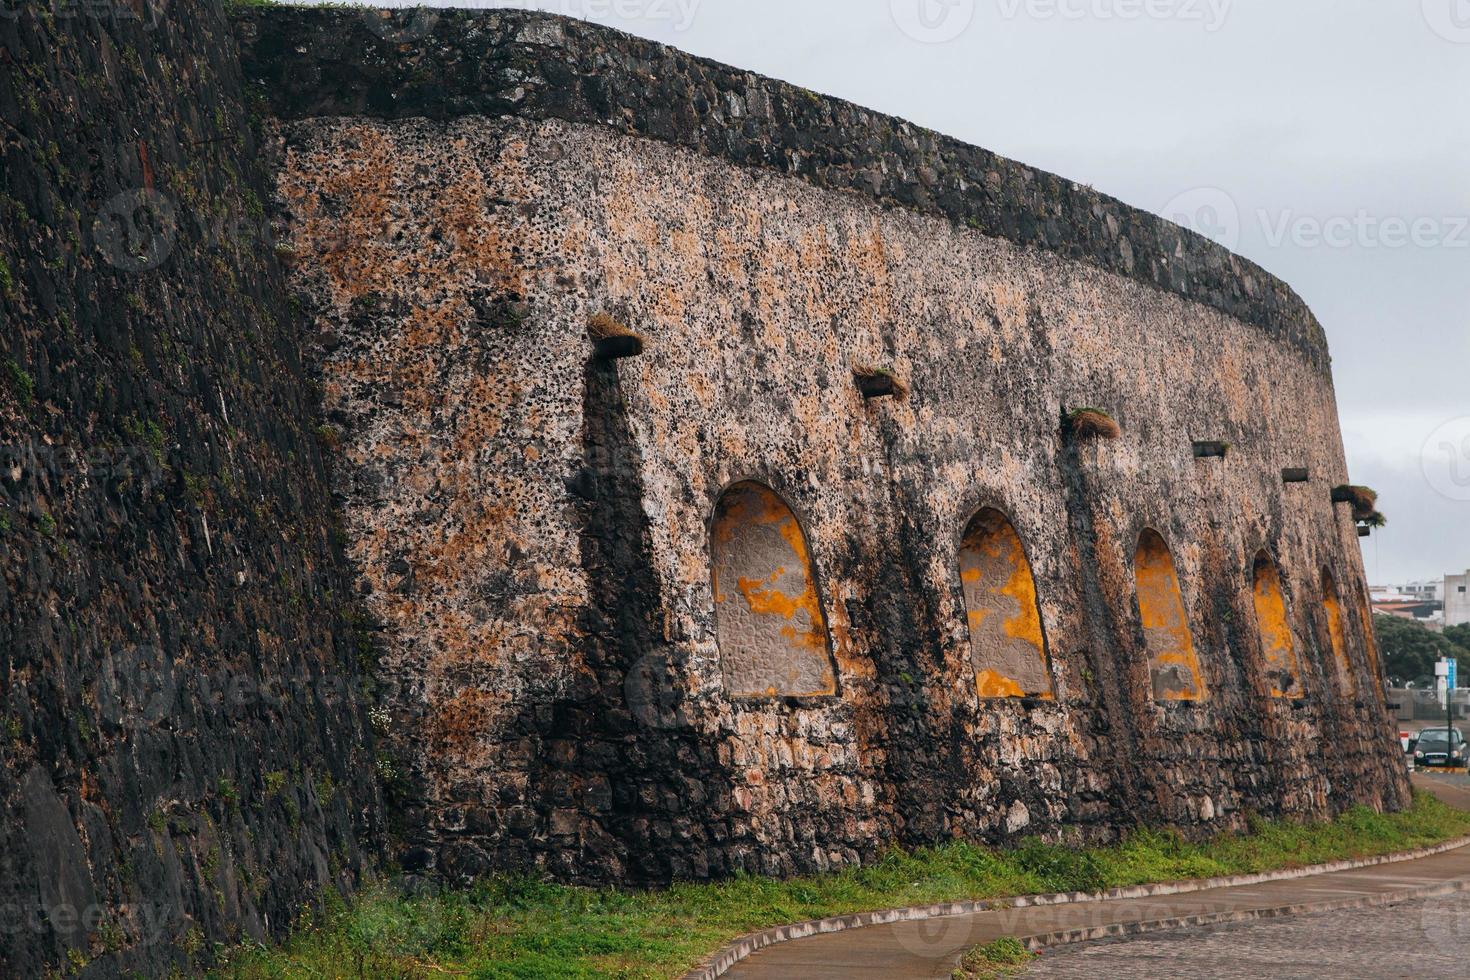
column 708, row 608
column 297, row 518
column 183, row 759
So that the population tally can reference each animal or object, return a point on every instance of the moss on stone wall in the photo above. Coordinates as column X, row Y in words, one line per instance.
column 171, row 625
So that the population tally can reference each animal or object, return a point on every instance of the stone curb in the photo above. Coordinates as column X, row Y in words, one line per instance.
column 738, row 949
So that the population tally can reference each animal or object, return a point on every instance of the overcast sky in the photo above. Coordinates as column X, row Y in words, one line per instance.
column 1328, row 140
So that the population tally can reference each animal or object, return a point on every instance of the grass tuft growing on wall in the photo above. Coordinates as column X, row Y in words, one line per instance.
column 515, row 927
column 1092, row 423
column 601, row 326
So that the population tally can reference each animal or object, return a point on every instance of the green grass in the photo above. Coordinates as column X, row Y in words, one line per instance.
column 1001, row 958
column 520, row 928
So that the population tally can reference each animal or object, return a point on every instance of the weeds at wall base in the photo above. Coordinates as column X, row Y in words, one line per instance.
column 519, row 927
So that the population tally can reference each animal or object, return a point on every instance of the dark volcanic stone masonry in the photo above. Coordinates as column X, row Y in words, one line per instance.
column 569, row 688
column 184, row 759
column 320, row 511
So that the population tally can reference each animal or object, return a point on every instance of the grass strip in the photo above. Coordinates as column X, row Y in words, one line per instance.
column 518, row 928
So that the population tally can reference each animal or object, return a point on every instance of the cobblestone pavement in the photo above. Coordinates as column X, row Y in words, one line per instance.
column 1427, row 939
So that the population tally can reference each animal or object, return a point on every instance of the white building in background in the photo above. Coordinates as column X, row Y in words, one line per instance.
column 1457, row 599
column 1409, row 592
column 1424, row 591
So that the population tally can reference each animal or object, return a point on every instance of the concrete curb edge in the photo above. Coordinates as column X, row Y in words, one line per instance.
column 741, row 947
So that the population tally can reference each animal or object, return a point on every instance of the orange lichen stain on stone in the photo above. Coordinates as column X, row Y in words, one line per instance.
column 994, row 685
column 1277, row 647
column 1333, row 608
column 1173, row 663
column 456, row 727
column 997, row 579
column 1370, row 640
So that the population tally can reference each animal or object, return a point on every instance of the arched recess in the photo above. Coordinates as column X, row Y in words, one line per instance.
column 1278, row 650
column 1370, row 640
column 1007, row 644
column 1336, row 635
column 768, row 619
column 1173, row 665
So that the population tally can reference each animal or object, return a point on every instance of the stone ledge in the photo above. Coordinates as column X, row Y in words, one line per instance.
column 443, row 64
column 738, row 949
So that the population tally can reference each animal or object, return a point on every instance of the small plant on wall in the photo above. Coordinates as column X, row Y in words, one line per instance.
column 1363, row 499
column 1090, row 423
column 878, row 382
column 611, row 338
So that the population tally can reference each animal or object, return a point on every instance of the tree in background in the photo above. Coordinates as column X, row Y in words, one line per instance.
column 1458, row 635
column 1410, row 650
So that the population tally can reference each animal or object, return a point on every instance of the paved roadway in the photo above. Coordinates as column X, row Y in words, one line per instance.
column 1428, row 939
column 1422, row 938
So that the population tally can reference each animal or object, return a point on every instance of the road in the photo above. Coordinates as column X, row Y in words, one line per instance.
column 1360, row 943
column 1427, row 939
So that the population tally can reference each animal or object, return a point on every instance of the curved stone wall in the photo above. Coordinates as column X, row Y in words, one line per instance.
column 184, row 757
column 531, row 523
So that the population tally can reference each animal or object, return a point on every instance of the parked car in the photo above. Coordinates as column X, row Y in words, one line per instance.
column 1441, row 747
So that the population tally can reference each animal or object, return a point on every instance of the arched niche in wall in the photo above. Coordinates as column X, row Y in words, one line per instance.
column 1278, row 649
column 1370, row 641
column 1007, row 644
column 768, row 619
column 1173, row 665
column 1336, row 634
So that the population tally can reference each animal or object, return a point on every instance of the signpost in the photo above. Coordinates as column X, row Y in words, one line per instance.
column 1445, row 677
